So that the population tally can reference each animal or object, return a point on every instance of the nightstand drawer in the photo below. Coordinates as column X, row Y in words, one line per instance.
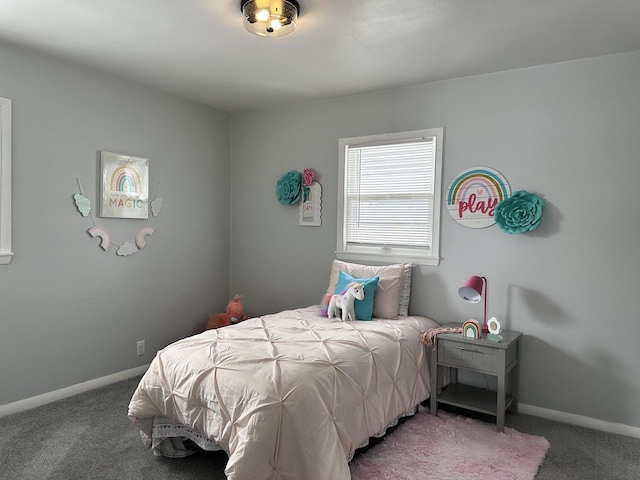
column 465, row 355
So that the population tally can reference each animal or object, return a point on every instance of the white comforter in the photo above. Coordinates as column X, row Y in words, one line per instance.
column 289, row 396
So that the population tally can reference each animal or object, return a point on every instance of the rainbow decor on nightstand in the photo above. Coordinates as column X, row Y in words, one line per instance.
column 473, row 195
column 470, row 329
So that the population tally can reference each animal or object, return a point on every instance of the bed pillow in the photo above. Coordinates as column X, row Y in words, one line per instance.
column 387, row 296
column 362, row 308
column 405, row 290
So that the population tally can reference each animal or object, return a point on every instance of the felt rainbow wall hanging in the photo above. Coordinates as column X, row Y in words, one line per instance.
column 83, row 205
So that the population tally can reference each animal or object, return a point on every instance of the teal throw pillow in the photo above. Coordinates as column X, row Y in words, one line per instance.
column 363, row 308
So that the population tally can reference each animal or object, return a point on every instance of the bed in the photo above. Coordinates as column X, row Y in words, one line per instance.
column 292, row 395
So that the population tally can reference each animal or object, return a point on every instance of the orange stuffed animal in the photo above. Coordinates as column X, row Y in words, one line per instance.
column 234, row 314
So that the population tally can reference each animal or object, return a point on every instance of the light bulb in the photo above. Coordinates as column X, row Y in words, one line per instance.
column 263, row 15
column 275, row 24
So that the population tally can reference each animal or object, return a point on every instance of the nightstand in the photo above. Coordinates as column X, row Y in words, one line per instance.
column 482, row 356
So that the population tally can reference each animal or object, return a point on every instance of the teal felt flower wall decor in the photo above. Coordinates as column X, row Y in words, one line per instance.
column 289, row 188
column 521, row 212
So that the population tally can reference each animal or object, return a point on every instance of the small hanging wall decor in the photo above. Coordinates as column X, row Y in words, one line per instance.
column 294, row 187
column 473, row 195
column 310, row 205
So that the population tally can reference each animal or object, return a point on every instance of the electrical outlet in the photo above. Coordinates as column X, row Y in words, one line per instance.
column 140, row 348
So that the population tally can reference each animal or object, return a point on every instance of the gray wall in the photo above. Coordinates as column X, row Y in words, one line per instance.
column 70, row 312
column 568, row 132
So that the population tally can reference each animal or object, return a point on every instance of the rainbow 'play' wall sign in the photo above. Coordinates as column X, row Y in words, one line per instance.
column 125, row 186
column 473, row 195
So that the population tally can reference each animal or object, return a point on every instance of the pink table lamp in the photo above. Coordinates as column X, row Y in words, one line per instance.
column 472, row 292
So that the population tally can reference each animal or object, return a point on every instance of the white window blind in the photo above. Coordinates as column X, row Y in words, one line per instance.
column 390, row 193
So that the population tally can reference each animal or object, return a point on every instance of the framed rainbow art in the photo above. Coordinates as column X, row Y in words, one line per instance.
column 473, row 195
column 125, row 186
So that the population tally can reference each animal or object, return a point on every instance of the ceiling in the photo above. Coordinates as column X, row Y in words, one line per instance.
column 199, row 49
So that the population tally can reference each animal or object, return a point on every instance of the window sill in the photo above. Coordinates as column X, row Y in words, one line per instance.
column 381, row 258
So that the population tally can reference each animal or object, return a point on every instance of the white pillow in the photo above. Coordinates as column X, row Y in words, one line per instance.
column 387, row 297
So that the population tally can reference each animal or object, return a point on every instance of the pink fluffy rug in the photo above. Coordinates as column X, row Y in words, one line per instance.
column 451, row 447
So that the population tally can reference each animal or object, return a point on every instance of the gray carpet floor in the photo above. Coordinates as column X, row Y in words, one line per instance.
column 89, row 436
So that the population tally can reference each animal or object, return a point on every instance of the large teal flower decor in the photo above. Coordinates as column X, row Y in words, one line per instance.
column 289, row 188
column 521, row 212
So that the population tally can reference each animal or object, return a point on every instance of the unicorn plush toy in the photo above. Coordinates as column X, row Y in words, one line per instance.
column 344, row 302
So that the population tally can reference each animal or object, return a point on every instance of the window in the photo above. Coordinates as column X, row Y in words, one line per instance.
column 389, row 197
column 5, row 181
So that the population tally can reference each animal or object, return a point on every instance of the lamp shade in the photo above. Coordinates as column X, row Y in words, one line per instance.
column 270, row 18
column 471, row 290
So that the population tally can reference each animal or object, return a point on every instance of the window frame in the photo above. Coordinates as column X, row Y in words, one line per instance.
column 5, row 181
column 386, row 254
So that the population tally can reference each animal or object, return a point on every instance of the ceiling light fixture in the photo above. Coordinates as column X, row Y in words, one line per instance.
column 270, row 18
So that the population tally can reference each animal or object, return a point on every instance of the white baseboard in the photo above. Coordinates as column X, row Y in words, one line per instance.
column 579, row 420
column 32, row 402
